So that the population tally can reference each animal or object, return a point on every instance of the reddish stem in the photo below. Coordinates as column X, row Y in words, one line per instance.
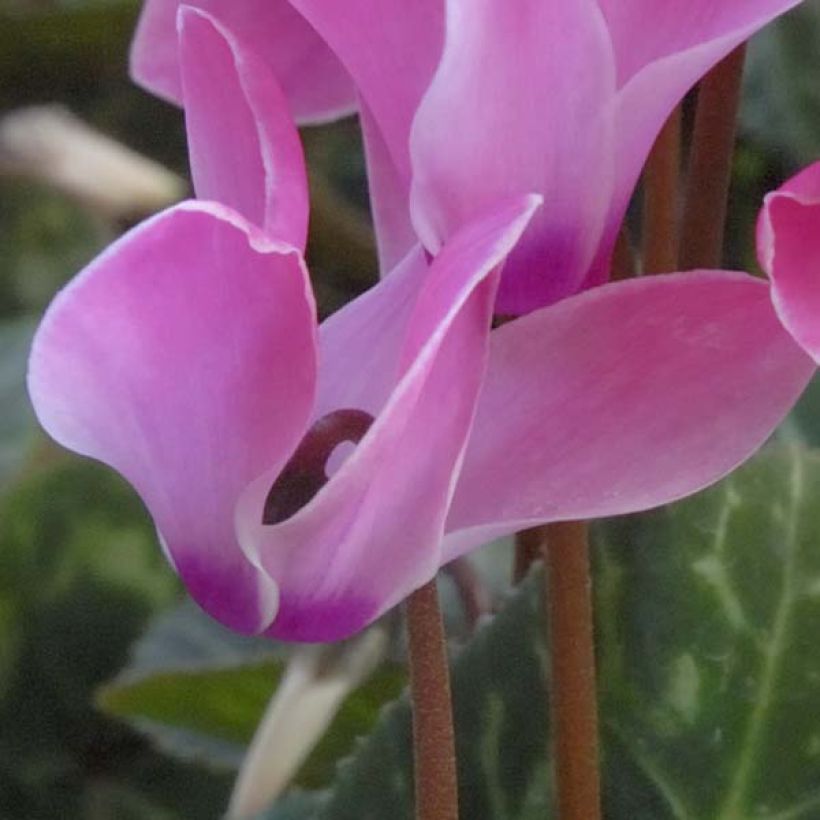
column 661, row 193
column 433, row 736
column 710, row 164
column 574, row 698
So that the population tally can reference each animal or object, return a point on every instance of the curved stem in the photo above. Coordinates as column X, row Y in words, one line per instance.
column 574, row 700
column 710, row 164
column 434, row 752
column 660, row 207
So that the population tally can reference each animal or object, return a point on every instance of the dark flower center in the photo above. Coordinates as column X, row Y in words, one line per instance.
column 306, row 471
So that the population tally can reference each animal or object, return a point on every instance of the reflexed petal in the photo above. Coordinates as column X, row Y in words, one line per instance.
column 184, row 357
column 315, row 84
column 244, row 147
column 520, row 101
column 644, row 31
column 625, row 397
column 389, row 196
column 662, row 50
column 390, row 48
column 373, row 533
column 360, row 345
column 788, row 238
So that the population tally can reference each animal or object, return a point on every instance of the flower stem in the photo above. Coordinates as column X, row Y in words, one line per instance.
column 710, row 164
column 529, row 545
column 660, row 207
column 574, row 702
column 433, row 736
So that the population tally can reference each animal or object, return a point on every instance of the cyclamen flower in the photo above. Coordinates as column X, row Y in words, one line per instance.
column 465, row 101
column 187, row 357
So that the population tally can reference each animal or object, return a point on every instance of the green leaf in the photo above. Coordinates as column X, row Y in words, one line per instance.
column 195, row 687
column 200, row 690
column 223, row 703
column 708, row 614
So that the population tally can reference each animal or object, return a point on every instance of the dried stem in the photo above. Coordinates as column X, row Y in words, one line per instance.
column 710, row 164
column 574, row 703
column 660, row 207
column 433, row 735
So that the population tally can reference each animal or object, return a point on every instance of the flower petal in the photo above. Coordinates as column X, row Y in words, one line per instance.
column 243, row 145
column 315, row 84
column 788, row 237
column 520, row 101
column 804, row 185
column 389, row 196
column 372, row 534
column 645, row 31
column 360, row 345
column 625, row 397
column 390, row 49
column 184, row 357
column 662, row 49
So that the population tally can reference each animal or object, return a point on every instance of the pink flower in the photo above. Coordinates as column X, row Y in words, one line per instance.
column 465, row 101
column 187, row 357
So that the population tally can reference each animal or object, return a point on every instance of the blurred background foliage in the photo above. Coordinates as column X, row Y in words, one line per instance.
column 119, row 700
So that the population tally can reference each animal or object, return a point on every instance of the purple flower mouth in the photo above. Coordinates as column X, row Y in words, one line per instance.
column 306, row 471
